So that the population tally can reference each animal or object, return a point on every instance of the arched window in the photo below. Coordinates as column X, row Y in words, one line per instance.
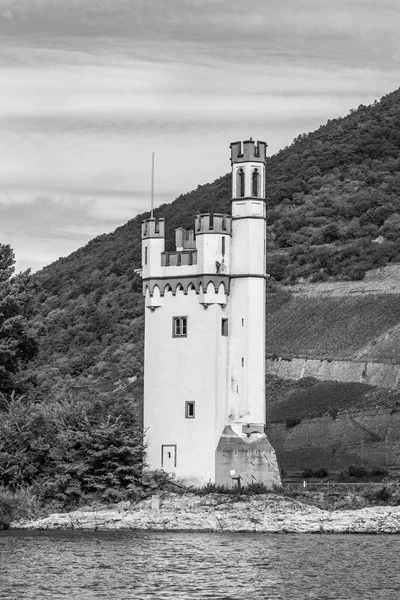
column 240, row 183
column 255, row 183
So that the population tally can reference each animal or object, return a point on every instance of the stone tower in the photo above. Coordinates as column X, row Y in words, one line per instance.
column 204, row 380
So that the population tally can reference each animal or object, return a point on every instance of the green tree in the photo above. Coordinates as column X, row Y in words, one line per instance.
column 18, row 338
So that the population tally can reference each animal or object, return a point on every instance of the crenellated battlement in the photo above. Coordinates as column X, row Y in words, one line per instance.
column 213, row 223
column 153, row 228
column 179, row 258
column 248, row 151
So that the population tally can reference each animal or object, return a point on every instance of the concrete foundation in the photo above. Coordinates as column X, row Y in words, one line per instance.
column 252, row 458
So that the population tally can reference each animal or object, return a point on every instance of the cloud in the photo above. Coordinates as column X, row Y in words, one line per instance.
column 230, row 29
column 7, row 14
column 47, row 227
column 90, row 88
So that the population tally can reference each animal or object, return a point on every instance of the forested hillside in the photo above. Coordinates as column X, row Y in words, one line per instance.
column 333, row 192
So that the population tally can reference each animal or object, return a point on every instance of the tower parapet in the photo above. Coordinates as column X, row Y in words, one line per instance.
column 213, row 223
column 153, row 228
column 249, row 151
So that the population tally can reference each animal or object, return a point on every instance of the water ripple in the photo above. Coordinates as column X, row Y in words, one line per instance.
column 184, row 566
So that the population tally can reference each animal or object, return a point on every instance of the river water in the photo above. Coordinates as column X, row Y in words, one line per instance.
column 221, row 566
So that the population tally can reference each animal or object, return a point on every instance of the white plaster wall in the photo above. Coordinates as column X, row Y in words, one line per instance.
column 248, row 245
column 209, row 250
column 247, row 342
column 179, row 370
column 247, row 316
column 178, row 271
column 154, row 248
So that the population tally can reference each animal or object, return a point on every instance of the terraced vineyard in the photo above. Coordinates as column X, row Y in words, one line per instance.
column 325, row 397
column 330, row 327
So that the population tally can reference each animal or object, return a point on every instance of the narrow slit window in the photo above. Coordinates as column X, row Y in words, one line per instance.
column 242, row 362
column 179, row 326
column 224, row 327
column 240, row 183
column 242, row 322
column 189, row 410
column 255, row 182
column 145, row 256
column 223, row 246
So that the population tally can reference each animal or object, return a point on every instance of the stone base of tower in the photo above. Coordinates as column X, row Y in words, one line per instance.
column 251, row 457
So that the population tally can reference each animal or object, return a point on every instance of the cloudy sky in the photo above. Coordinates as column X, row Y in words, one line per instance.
column 90, row 88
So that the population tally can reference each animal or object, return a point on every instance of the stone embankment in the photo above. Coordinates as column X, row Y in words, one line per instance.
column 384, row 280
column 270, row 513
column 384, row 375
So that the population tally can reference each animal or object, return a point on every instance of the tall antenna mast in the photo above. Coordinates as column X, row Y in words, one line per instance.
column 152, row 186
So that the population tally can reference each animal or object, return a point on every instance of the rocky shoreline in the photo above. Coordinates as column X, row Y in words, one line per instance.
column 269, row 513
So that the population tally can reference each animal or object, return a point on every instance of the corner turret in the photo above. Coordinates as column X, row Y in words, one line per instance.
column 248, row 169
column 153, row 243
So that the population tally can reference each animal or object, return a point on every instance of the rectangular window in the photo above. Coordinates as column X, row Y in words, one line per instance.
column 145, row 255
column 189, row 410
column 223, row 246
column 179, row 326
column 242, row 362
column 224, row 327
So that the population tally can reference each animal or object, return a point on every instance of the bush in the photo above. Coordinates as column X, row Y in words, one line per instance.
column 355, row 273
column 320, row 275
column 354, row 471
column 383, row 495
column 315, row 473
column 379, row 471
column 73, row 451
column 21, row 504
column 292, row 422
column 253, row 489
column 306, row 382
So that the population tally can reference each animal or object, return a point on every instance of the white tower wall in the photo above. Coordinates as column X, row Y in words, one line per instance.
column 179, row 370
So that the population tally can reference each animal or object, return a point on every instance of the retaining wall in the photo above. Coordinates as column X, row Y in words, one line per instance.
column 383, row 375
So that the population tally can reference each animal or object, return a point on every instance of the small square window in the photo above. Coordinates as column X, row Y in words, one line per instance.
column 224, row 327
column 179, row 326
column 189, row 410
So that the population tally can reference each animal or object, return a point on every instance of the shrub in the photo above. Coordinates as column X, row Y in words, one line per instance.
column 315, row 473
column 379, row 471
column 320, row 275
column 383, row 495
column 21, row 504
column 292, row 422
column 354, row 471
column 306, row 382
column 355, row 273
